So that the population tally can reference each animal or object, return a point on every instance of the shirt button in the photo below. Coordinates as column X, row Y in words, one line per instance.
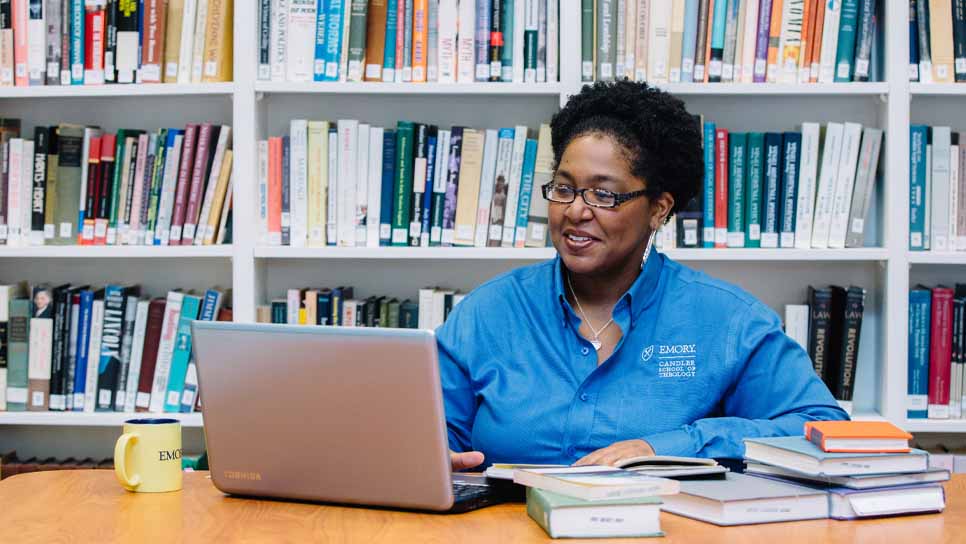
column 571, row 451
column 584, row 397
column 584, row 351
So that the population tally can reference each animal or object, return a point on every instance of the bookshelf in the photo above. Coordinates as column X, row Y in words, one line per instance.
column 258, row 109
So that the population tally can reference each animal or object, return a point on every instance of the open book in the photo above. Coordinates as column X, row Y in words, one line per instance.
column 664, row 466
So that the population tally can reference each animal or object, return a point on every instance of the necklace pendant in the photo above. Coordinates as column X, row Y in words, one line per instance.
column 596, row 343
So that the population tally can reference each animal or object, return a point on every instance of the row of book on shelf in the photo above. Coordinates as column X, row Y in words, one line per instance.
column 111, row 349
column 11, row 464
column 828, row 326
column 937, row 352
column 740, row 41
column 842, row 470
column 767, row 190
column 937, row 41
column 937, row 189
column 82, row 185
column 347, row 183
column 445, row 41
column 93, row 42
column 338, row 307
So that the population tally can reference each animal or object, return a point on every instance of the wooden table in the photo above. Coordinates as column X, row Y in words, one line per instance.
column 89, row 506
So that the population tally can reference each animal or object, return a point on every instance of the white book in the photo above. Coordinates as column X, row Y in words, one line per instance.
column 844, row 183
column 553, row 40
column 532, row 24
column 224, row 143
column 439, row 184
column 278, row 44
column 620, row 22
column 419, row 190
column 348, row 157
column 630, row 39
column 162, row 369
column 137, row 354
column 439, row 307
column 830, row 41
column 198, row 43
column 88, row 402
column 262, row 194
column 519, row 18
column 186, row 49
column 659, row 29
column 465, row 49
column 424, row 317
column 300, row 55
column 26, row 194
column 374, row 208
column 127, row 56
column 643, row 36
column 732, row 73
column 487, row 181
column 796, row 323
column 865, row 179
column 939, row 203
column 16, row 185
column 41, row 348
column 89, row 133
column 225, row 207
column 927, row 238
column 362, row 184
column 344, row 52
column 332, row 191
column 298, row 177
column 318, row 162
column 448, row 12
column 793, row 16
column 513, row 186
column 808, row 171
column 71, row 367
column 166, row 202
column 952, row 239
column 831, row 152
column 961, row 198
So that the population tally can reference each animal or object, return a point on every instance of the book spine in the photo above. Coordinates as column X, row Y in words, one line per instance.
column 913, row 42
column 298, row 180
column 513, row 186
column 606, row 38
column 845, row 50
column 495, row 38
column 452, row 186
column 730, row 40
column 792, row 146
column 181, row 354
column 420, row 162
column 82, row 347
column 830, row 37
column 448, row 10
column 286, row 188
column 917, row 186
column 374, row 187
column 939, row 184
column 941, row 40
column 300, row 45
column 110, row 354
column 526, row 191
column 809, row 28
column 864, row 36
column 376, row 37
column 38, row 185
column 432, row 41
column 761, row 43
column 705, row 22
column 771, row 201
column 152, row 342
column 59, row 356
column 539, row 206
column 917, row 386
column 166, row 345
column 40, row 346
column 434, row 163
column 753, row 189
column 659, row 42
column 487, row 180
column 688, row 40
column 959, row 40
column 820, row 310
column 586, row 39
column 482, row 39
column 184, row 182
column 333, row 39
column 708, row 236
column 404, row 43
column 137, row 356
column 89, row 394
column 264, row 39
column 357, row 39
column 791, row 41
column 737, row 143
column 127, row 341
column 718, row 23
column 36, row 50
column 865, row 181
column 500, row 187
column 439, row 188
column 52, row 22
column 216, row 166
column 197, row 188
column 852, row 326
column 940, row 352
column 468, row 190
column 676, row 39
column 403, row 183
column 805, row 200
column 387, row 191
column 348, row 131
column 721, row 189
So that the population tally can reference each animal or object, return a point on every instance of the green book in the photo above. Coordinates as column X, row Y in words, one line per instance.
column 115, row 193
column 18, row 347
column 737, row 147
column 845, row 51
column 404, row 183
column 157, row 177
column 566, row 517
column 357, row 39
column 531, row 31
column 70, row 140
column 754, row 167
column 393, row 313
column 408, row 315
column 586, row 40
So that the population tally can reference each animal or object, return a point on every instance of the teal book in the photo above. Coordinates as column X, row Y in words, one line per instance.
column 737, row 151
column 566, row 517
column 389, row 51
column 688, row 45
column 771, row 193
column 318, row 58
column 77, row 36
column 182, row 353
column 506, row 59
column 917, row 383
column 791, row 158
column 845, row 52
column 18, row 351
column 112, row 334
column 718, row 30
column 404, row 183
column 918, row 137
column 333, row 40
column 526, row 191
column 707, row 235
column 797, row 453
column 754, row 168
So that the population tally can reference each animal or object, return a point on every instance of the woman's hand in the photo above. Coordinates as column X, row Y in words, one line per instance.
column 616, row 452
column 465, row 460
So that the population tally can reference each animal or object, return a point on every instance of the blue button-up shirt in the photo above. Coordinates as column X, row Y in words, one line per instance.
column 701, row 365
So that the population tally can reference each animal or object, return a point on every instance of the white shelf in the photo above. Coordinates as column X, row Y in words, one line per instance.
column 145, row 89
column 937, row 89
column 538, row 89
column 935, row 425
column 119, row 252
column 90, row 419
column 538, row 254
column 776, row 89
column 937, row 257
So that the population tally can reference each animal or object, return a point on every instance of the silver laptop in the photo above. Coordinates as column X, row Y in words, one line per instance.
column 334, row 414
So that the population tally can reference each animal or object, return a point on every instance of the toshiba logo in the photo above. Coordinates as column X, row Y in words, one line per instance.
column 238, row 475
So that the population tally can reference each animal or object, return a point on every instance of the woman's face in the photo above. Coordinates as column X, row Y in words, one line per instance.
column 601, row 240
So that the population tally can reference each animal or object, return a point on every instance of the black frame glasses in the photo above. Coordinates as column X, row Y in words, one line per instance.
column 619, row 198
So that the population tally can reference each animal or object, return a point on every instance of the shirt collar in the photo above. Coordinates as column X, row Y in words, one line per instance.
column 640, row 295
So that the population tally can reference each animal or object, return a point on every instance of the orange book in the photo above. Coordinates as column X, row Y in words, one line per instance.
column 707, row 45
column 420, row 18
column 815, row 56
column 20, row 42
column 808, row 21
column 774, row 40
column 857, row 436
column 275, row 191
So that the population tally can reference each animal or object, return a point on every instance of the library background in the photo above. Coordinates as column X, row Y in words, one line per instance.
column 366, row 163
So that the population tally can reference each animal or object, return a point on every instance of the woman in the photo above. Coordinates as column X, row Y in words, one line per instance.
column 612, row 350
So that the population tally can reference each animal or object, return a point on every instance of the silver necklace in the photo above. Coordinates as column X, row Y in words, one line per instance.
column 597, row 332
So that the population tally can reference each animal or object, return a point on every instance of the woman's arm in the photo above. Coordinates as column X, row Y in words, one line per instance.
column 459, row 397
column 774, row 392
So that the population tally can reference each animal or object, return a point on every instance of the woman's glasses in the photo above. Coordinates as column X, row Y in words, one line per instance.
column 598, row 198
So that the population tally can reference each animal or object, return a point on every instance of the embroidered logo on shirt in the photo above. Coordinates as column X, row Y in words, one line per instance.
column 674, row 360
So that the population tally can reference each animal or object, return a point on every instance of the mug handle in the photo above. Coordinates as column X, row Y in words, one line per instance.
column 120, row 461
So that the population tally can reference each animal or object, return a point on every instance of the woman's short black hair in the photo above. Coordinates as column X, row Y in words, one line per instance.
column 661, row 139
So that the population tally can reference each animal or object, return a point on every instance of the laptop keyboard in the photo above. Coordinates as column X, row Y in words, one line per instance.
column 465, row 491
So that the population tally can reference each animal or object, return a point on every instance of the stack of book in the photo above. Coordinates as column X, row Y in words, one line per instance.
column 594, row 501
column 937, row 41
column 804, row 189
column 349, row 184
column 840, row 469
column 78, row 348
column 829, row 327
column 339, row 307
column 937, row 352
column 11, row 465
column 937, row 189
column 80, row 185
column 741, row 41
column 92, row 42
column 445, row 41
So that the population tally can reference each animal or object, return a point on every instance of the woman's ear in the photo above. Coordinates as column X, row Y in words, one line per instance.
column 661, row 209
